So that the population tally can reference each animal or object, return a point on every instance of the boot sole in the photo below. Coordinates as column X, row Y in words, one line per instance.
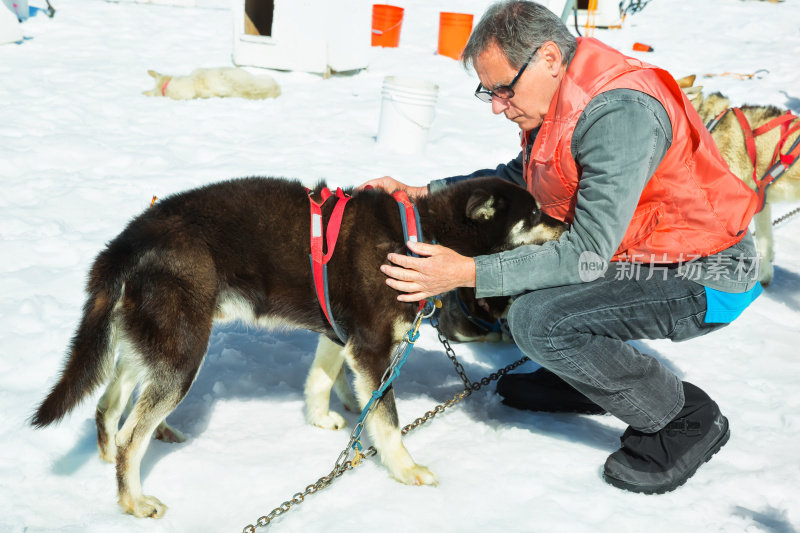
column 661, row 489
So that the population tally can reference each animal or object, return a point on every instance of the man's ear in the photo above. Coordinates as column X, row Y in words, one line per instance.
column 552, row 56
column 481, row 205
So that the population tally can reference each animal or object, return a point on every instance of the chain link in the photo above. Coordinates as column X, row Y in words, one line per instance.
column 451, row 354
column 343, row 465
column 787, row 215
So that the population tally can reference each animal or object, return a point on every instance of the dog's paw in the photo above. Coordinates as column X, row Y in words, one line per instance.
column 329, row 420
column 143, row 507
column 416, row 475
column 765, row 273
column 166, row 433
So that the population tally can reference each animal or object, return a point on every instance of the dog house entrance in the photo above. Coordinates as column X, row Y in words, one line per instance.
column 258, row 15
column 307, row 35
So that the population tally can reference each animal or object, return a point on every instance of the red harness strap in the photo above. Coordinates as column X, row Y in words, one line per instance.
column 412, row 228
column 319, row 262
column 780, row 162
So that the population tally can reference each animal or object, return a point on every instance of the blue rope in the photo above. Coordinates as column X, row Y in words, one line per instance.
column 378, row 394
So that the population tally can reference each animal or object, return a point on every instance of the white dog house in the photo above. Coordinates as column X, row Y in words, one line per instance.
column 309, row 35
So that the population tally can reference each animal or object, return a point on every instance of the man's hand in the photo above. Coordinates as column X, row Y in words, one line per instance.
column 436, row 271
column 389, row 184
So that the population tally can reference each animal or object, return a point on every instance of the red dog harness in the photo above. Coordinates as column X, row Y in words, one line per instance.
column 412, row 231
column 780, row 163
column 319, row 261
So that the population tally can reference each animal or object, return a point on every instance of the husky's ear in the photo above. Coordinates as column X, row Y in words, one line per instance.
column 481, row 205
column 692, row 92
column 695, row 96
column 153, row 73
column 686, row 81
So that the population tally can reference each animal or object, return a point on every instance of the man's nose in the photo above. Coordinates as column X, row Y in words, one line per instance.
column 499, row 105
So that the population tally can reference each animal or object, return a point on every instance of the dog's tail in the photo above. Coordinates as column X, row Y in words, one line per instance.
column 91, row 353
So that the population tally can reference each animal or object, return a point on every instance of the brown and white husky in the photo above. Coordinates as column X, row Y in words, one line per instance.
column 240, row 250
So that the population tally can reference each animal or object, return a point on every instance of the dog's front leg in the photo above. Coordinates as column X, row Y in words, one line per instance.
column 383, row 424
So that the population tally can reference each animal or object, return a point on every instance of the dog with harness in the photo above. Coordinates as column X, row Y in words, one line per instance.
column 252, row 249
column 761, row 145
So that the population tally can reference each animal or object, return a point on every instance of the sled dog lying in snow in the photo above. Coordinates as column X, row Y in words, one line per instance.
column 729, row 138
column 240, row 250
column 210, row 82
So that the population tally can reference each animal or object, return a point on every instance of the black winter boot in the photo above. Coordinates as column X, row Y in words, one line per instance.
column 544, row 391
column 655, row 463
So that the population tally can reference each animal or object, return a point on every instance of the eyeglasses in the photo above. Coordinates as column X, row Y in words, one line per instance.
column 504, row 92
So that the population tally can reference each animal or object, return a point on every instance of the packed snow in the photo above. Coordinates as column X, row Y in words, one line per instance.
column 82, row 151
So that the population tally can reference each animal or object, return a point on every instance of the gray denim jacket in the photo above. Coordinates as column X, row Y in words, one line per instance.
column 619, row 141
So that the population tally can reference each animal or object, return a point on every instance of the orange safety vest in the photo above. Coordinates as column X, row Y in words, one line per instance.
column 692, row 206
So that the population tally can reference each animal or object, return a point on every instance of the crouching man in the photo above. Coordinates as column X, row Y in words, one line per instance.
column 657, row 245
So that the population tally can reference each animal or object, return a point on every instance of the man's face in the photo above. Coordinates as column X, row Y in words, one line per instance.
column 534, row 89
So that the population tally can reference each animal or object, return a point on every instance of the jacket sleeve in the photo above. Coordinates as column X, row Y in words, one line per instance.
column 618, row 143
column 511, row 171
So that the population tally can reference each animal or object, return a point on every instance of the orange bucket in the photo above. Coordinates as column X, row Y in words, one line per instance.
column 386, row 22
column 454, row 30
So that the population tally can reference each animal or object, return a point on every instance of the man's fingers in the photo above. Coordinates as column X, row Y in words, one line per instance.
column 399, row 273
column 405, row 288
column 405, row 261
column 413, row 297
column 422, row 248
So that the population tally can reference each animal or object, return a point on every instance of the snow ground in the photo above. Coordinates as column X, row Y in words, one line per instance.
column 82, row 151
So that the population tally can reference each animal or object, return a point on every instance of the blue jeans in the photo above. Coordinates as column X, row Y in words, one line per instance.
column 579, row 333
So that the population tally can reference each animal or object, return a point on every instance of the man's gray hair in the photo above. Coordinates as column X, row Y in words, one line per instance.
column 518, row 27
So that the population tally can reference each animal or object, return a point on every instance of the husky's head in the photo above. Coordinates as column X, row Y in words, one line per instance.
column 161, row 82
column 501, row 216
column 489, row 215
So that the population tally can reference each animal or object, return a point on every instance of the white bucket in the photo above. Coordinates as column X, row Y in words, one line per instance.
column 407, row 113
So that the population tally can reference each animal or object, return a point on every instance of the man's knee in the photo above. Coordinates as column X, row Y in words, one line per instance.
column 532, row 320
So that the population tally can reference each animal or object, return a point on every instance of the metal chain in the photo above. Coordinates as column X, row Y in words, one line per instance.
column 450, row 353
column 787, row 215
column 343, row 465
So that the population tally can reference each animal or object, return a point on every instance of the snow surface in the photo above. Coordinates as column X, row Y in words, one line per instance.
column 82, row 151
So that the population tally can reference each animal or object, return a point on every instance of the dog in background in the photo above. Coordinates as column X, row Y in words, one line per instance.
column 224, row 82
column 730, row 140
column 240, row 250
